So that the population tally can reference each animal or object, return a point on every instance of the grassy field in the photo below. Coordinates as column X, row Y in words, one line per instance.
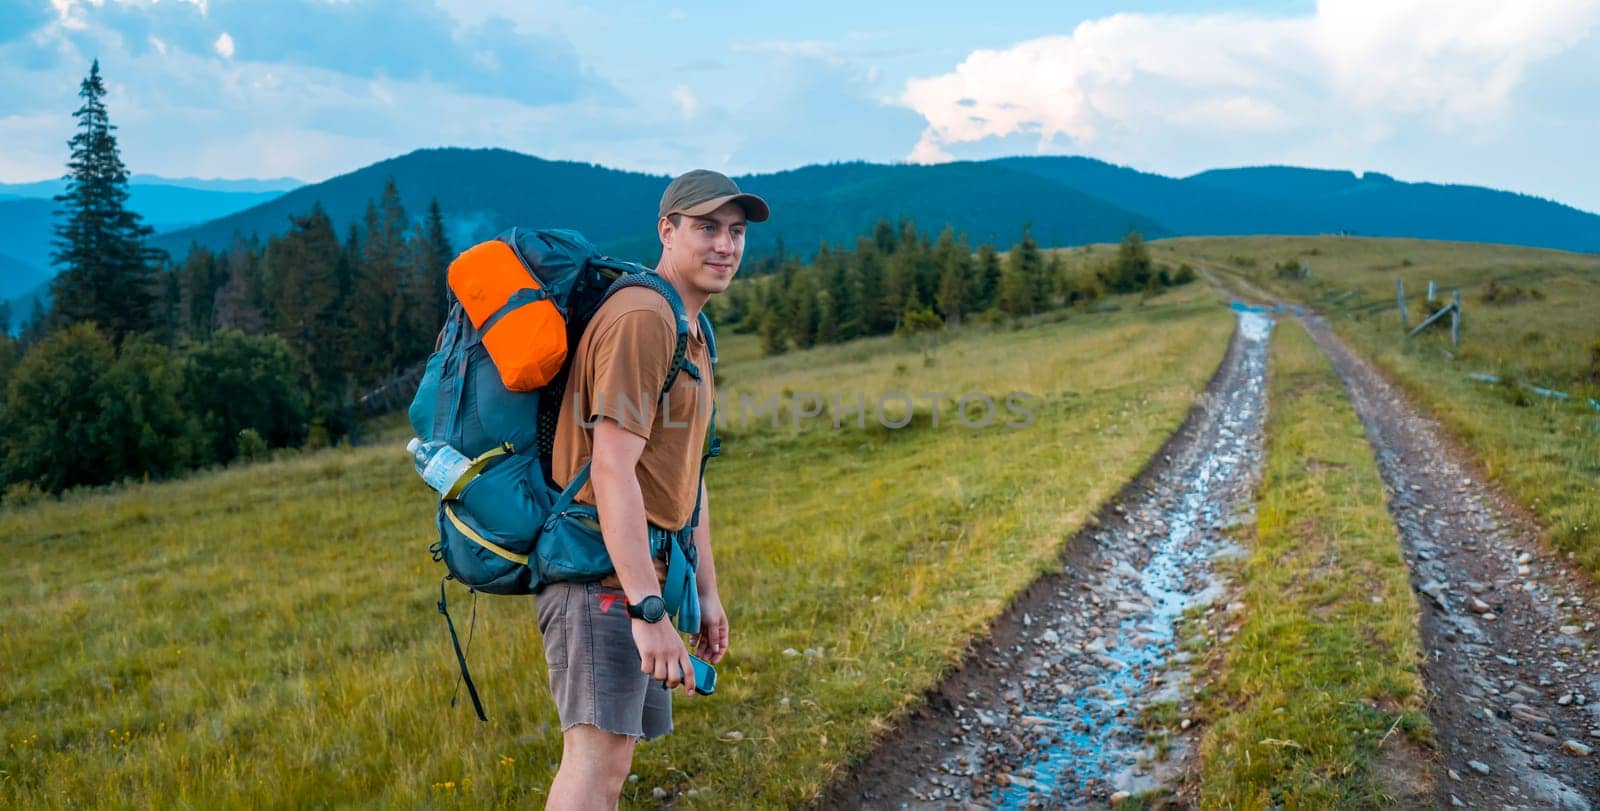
column 266, row 635
column 1538, row 323
column 1317, row 701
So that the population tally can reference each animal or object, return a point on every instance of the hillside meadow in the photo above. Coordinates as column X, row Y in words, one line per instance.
column 265, row 635
column 1530, row 317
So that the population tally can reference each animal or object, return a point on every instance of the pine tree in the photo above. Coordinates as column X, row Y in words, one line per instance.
column 883, row 237
column 1130, row 272
column 1023, row 278
column 104, row 265
column 876, row 317
column 34, row 329
column 433, row 260
column 986, row 281
column 774, row 338
column 385, row 290
column 954, row 264
column 802, row 308
column 304, row 267
column 238, row 302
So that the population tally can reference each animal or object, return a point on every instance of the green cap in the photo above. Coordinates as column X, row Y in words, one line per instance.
column 703, row 191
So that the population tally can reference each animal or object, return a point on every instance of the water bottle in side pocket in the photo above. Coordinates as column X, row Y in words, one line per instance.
column 437, row 463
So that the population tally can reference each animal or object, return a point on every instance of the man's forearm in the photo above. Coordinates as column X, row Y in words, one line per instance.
column 620, row 503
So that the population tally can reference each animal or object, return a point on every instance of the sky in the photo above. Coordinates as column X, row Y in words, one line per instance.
column 1486, row 92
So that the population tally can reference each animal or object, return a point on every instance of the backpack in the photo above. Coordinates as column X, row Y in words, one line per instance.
column 493, row 391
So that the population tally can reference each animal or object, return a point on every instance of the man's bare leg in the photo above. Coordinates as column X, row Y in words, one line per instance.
column 594, row 765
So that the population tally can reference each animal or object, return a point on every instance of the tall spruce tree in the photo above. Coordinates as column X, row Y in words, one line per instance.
column 385, row 290
column 433, row 255
column 104, row 265
column 986, row 281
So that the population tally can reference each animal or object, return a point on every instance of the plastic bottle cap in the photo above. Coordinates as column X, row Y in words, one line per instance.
column 411, row 447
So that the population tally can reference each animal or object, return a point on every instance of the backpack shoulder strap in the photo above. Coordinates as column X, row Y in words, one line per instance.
column 680, row 351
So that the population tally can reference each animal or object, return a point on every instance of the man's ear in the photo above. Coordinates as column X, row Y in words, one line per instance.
column 665, row 230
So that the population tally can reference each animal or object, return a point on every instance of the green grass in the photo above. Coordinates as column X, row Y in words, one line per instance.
column 266, row 634
column 1316, row 701
column 1545, row 453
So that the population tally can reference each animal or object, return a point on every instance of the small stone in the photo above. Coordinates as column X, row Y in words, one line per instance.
column 1050, row 637
column 633, row 778
column 1185, row 724
column 1478, row 766
column 659, row 793
column 1027, row 620
column 1523, row 571
column 1478, row 606
column 1565, row 700
column 1570, row 630
column 1454, row 775
column 1455, row 802
column 1120, row 796
column 1489, row 617
column 1575, row 749
column 1525, row 558
column 790, row 652
column 733, row 735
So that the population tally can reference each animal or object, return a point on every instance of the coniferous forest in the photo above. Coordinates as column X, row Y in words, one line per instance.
column 145, row 366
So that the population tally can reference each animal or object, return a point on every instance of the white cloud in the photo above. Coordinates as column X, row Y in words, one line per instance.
column 687, row 103
column 224, row 45
column 1130, row 85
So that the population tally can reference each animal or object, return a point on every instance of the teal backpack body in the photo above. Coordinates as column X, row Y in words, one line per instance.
column 505, row 527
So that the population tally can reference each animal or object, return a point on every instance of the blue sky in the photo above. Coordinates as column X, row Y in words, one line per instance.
column 1471, row 91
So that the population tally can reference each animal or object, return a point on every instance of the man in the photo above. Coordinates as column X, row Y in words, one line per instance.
column 611, row 667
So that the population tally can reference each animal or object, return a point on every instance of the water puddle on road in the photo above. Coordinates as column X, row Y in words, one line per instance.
column 1049, row 717
column 1161, row 565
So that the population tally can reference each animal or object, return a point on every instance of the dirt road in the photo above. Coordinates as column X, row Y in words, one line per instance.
column 1045, row 711
column 1509, row 627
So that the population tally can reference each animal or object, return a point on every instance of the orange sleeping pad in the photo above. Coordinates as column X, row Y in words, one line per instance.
column 524, row 333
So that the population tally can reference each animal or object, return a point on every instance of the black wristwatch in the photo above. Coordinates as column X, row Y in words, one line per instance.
column 651, row 609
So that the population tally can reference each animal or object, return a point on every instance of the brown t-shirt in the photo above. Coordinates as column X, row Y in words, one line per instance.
column 617, row 373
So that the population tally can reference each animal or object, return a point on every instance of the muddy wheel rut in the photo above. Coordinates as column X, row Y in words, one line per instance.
column 1045, row 710
column 1508, row 626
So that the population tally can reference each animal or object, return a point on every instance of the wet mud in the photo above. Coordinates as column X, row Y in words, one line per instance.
column 1045, row 711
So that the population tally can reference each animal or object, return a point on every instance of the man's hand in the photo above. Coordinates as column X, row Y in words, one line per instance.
column 712, row 642
column 662, row 654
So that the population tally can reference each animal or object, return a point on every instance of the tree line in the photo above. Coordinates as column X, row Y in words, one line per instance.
column 898, row 280
column 145, row 367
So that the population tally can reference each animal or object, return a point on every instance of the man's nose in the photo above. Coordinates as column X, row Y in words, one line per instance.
column 724, row 242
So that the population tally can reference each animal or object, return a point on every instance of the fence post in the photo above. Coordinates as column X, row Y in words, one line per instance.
column 1455, row 320
column 1400, row 296
column 1431, row 295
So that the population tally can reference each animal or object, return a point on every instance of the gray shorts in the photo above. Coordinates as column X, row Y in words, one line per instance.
column 594, row 663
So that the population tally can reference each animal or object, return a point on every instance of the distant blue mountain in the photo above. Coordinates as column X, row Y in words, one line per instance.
column 27, row 217
column 25, row 235
column 54, row 186
column 1068, row 200
column 483, row 191
column 1375, row 204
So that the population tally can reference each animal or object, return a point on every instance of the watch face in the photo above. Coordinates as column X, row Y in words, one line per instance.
column 652, row 609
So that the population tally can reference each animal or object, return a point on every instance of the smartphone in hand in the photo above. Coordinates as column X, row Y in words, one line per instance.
column 705, row 676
